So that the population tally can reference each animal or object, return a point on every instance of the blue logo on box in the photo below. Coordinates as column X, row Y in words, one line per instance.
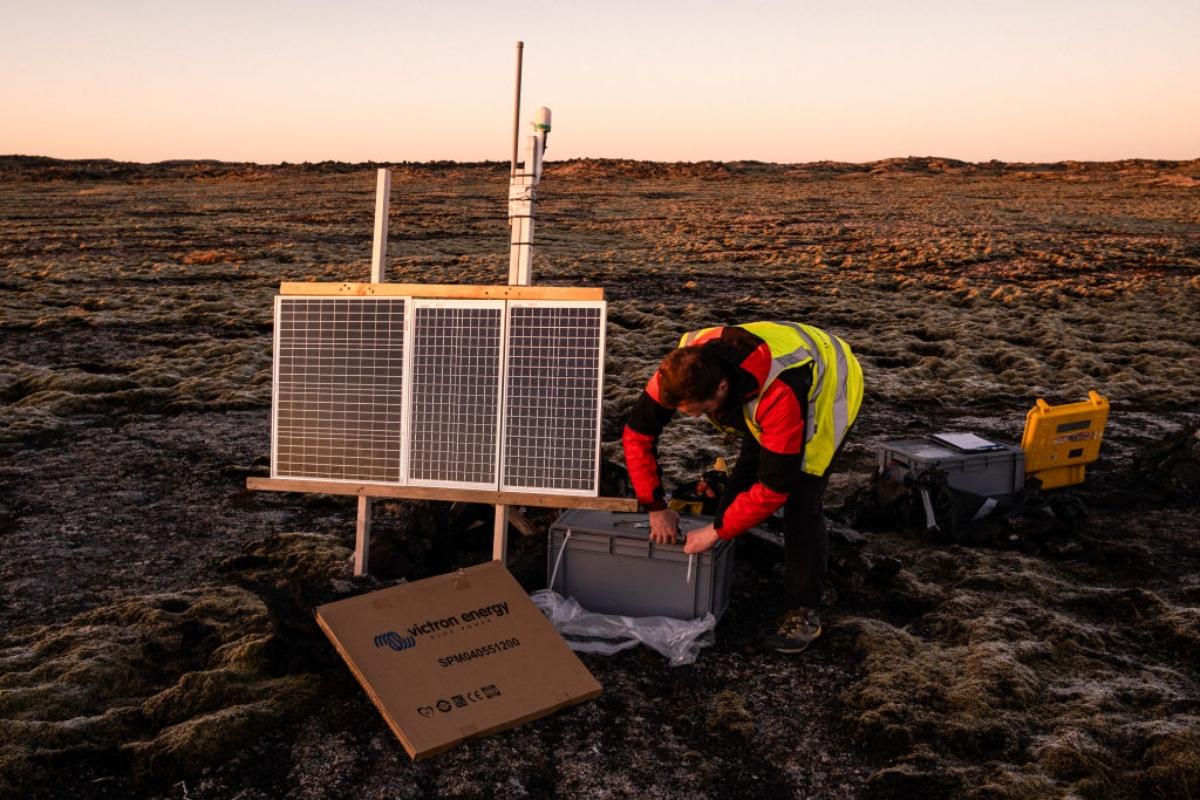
column 395, row 641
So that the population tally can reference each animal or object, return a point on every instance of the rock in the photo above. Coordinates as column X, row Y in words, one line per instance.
column 729, row 714
column 173, row 682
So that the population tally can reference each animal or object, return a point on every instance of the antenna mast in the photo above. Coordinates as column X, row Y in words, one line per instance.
column 522, row 184
column 522, row 188
column 516, row 112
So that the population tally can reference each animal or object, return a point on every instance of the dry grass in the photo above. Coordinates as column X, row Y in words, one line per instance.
column 206, row 257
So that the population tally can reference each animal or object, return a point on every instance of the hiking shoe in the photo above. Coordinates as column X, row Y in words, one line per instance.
column 797, row 630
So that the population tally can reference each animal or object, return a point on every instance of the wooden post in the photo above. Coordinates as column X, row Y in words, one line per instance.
column 362, row 536
column 500, row 537
column 383, row 196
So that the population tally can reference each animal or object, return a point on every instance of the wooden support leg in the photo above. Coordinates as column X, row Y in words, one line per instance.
column 500, row 538
column 362, row 536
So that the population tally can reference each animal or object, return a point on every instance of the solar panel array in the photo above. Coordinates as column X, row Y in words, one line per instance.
column 462, row 393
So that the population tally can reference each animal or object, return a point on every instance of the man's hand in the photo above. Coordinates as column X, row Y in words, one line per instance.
column 701, row 539
column 664, row 525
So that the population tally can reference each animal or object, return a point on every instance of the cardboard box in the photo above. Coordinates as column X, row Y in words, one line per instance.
column 455, row 656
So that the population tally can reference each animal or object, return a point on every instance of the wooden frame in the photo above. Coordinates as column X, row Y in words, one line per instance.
column 444, row 291
column 441, row 493
column 522, row 193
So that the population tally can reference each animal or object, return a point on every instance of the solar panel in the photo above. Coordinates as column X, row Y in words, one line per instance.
column 479, row 394
column 553, row 380
column 338, row 390
column 455, row 411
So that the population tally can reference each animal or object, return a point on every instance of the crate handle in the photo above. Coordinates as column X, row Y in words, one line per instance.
column 558, row 561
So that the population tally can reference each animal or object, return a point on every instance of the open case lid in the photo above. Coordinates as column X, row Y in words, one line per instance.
column 966, row 442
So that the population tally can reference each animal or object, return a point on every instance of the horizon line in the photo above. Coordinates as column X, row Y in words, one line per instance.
column 505, row 162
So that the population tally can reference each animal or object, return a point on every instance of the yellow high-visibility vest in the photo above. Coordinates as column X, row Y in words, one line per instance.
column 837, row 385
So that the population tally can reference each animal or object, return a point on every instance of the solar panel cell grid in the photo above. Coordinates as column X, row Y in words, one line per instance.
column 339, row 388
column 554, row 375
column 455, row 393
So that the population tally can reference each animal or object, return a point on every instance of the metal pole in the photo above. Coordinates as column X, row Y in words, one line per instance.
column 500, row 536
column 517, row 111
column 520, row 271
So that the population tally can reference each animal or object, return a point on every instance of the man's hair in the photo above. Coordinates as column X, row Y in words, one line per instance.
column 689, row 375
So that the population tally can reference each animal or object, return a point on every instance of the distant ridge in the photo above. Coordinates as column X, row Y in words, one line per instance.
column 37, row 168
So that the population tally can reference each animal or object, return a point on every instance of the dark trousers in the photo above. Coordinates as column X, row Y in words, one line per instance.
column 805, row 536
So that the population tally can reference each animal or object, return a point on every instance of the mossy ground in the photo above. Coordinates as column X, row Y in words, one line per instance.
column 157, row 637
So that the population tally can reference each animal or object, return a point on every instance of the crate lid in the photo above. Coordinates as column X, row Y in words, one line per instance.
column 930, row 452
column 611, row 523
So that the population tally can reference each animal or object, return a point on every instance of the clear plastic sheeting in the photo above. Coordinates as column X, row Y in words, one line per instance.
column 588, row 632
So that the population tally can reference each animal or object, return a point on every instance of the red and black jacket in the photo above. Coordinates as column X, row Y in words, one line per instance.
column 781, row 415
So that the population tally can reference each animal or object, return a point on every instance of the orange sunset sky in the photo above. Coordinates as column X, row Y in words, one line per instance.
column 773, row 81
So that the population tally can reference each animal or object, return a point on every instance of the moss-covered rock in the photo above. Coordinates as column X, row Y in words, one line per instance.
column 1021, row 684
column 172, row 682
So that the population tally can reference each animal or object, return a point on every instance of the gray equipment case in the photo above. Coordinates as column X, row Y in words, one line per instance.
column 610, row 566
column 990, row 473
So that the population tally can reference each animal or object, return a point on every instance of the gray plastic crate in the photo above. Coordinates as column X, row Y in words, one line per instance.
column 611, row 567
column 991, row 473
